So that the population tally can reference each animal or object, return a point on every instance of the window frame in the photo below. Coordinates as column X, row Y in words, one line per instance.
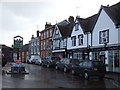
column 80, row 39
column 76, row 26
column 73, row 40
column 104, row 35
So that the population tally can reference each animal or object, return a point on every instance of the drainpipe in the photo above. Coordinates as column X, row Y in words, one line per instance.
column 113, row 61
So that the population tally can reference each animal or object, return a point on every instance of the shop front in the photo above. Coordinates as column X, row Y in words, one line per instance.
column 114, row 61
column 110, row 57
column 81, row 54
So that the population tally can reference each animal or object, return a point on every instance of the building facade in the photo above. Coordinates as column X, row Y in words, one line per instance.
column 34, row 45
column 80, row 41
column 61, row 33
column 24, row 53
column 6, row 54
column 106, row 37
column 46, row 40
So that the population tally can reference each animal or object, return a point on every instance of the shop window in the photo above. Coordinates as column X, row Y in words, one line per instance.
column 116, row 59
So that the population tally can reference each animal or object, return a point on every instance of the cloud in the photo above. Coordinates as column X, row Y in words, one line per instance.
column 21, row 17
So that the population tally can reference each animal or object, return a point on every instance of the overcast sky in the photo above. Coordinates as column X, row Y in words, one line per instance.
column 21, row 17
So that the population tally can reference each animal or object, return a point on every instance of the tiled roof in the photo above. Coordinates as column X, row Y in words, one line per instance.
column 113, row 12
column 66, row 30
column 63, row 23
column 88, row 23
column 25, row 47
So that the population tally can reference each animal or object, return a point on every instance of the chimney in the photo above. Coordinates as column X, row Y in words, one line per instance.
column 38, row 33
column 47, row 25
column 108, row 5
column 77, row 16
column 32, row 37
column 71, row 19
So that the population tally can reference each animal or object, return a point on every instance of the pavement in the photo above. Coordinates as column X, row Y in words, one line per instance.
column 112, row 76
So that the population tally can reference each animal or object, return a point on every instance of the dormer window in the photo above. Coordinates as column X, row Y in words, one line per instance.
column 76, row 26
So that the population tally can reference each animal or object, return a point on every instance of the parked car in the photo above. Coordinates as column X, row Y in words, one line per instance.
column 88, row 68
column 66, row 64
column 29, row 60
column 35, row 58
column 38, row 61
column 50, row 61
column 17, row 68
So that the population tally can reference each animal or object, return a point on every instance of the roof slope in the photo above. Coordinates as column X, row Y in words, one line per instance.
column 25, row 47
column 88, row 23
column 66, row 30
column 114, row 13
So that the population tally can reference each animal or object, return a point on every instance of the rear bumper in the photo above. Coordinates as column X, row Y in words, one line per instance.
column 96, row 73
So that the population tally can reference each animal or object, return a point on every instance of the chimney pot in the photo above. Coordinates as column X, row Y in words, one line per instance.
column 71, row 19
column 38, row 33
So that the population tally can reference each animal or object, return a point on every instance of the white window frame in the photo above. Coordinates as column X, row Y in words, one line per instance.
column 73, row 40
column 80, row 39
column 76, row 26
column 57, row 43
column 50, row 32
column 104, row 36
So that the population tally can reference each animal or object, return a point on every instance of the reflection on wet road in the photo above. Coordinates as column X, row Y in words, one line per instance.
column 41, row 77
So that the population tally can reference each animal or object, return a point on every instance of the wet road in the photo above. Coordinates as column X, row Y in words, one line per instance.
column 41, row 77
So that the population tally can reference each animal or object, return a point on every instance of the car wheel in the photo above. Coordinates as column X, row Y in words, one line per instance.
column 72, row 72
column 42, row 64
column 48, row 65
column 56, row 67
column 65, row 69
column 86, row 76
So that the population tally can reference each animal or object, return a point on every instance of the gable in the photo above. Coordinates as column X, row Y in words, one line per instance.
column 77, row 32
column 56, row 33
column 103, row 21
column 114, row 13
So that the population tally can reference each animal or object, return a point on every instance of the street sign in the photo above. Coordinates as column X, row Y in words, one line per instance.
column 18, row 42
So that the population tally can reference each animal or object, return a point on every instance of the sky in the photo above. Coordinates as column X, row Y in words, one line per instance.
column 21, row 17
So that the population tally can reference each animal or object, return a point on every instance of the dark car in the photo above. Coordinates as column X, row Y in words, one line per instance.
column 17, row 68
column 66, row 64
column 88, row 68
column 50, row 61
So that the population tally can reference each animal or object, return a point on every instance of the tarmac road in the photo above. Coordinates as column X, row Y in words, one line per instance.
column 41, row 77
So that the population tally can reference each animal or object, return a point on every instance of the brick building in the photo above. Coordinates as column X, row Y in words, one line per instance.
column 46, row 40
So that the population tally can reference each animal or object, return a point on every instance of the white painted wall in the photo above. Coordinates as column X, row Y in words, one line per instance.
column 89, row 39
column 119, row 34
column 76, row 33
column 104, row 22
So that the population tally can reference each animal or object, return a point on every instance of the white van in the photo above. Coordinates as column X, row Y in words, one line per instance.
column 35, row 59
